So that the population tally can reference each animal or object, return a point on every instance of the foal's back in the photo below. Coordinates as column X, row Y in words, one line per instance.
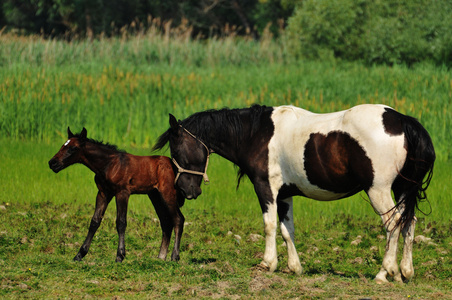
column 141, row 174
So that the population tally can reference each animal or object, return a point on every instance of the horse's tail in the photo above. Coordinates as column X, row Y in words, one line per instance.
column 413, row 180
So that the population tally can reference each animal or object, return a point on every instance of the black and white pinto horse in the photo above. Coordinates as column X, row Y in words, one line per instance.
column 287, row 151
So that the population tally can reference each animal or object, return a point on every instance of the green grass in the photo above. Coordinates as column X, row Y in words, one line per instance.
column 103, row 85
column 107, row 87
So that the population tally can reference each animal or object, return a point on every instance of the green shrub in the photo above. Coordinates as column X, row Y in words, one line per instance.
column 387, row 32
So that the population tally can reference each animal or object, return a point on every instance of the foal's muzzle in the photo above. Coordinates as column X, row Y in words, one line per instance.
column 55, row 165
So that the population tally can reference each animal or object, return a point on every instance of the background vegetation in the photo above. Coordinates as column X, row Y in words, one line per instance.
column 374, row 32
column 122, row 84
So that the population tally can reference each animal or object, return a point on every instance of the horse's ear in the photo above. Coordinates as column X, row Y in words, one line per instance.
column 83, row 133
column 173, row 122
column 69, row 133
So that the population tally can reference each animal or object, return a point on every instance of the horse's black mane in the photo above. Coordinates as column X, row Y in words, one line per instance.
column 227, row 122
column 105, row 146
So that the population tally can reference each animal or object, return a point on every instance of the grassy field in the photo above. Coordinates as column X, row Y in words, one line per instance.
column 122, row 94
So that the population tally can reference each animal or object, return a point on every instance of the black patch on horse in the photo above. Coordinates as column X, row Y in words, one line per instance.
column 289, row 190
column 392, row 122
column 336, row 162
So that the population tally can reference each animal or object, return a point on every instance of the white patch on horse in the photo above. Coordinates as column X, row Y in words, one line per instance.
column 293, row 127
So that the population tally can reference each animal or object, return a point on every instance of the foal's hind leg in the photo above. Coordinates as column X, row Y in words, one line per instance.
column 285, row 213
column 178, row 222
column 382, row 202
column 102, row 201
column 166, row 223
column 122, row 200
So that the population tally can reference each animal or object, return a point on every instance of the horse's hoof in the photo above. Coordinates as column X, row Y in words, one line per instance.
column 381, row 280
column 398, row 278
column 297, row 271
column 263, row 267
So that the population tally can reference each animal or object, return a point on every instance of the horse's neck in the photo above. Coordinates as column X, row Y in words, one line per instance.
column 236, row 148
column 226, row 147
column 95, row 158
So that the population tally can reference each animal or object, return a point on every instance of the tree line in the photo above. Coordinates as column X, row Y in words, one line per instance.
column 373, row 31
column 94, row 17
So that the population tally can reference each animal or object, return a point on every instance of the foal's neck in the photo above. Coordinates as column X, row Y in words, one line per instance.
column 96, row 157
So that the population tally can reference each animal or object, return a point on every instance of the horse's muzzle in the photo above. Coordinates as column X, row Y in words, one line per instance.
column 191, row 192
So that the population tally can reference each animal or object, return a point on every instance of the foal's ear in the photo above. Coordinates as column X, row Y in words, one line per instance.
column 83, row 133
column 69, row 133
column 173, row 122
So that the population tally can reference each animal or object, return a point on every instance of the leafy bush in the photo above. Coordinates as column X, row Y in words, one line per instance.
column 387, row 32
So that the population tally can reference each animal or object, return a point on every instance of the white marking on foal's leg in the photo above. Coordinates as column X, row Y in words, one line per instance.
column 287, row 231
column 270, row 224
column 406, row 265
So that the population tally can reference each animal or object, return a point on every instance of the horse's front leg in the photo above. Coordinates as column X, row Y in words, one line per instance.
column 285, row 214
column 269, row 214
column 102, row 201
column 122, row 200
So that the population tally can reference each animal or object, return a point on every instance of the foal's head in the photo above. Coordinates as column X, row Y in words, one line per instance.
column 69, row 153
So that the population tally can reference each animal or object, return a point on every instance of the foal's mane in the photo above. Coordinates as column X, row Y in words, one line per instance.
column 102, row 145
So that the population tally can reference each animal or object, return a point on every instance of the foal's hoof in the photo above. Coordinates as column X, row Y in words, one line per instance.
column 175, row 258
column 78, row 257
column 119, row 259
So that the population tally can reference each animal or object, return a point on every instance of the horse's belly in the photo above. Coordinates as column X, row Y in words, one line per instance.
column 310, row 190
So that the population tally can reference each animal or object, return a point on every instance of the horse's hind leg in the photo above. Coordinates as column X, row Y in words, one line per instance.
column 382, row 202
column 122, row 200
column 406, row 264
column 102, row 201
column 285, row 213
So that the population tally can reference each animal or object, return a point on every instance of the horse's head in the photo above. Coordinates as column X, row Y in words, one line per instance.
column 191, row 157
column 69, row 153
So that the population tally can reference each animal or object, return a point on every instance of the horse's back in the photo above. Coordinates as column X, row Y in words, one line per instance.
column 323, row 154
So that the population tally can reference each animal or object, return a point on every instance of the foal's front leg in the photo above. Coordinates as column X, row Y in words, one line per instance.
column 122, row 200
column 102, row 201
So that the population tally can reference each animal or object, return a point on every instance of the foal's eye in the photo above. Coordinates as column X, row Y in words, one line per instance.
column 72, row 149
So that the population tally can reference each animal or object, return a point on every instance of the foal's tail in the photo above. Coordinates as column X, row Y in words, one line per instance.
column 410, row 187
